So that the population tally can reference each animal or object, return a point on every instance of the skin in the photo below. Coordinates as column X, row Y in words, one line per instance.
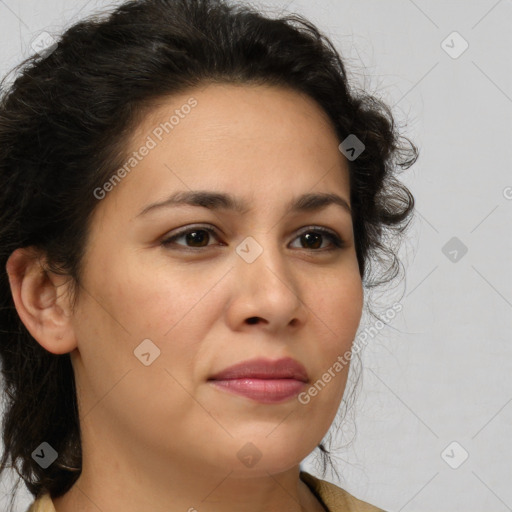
column 161, row 437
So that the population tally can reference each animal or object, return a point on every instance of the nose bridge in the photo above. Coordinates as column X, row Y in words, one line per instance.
column 265, row 286
column 263, row 269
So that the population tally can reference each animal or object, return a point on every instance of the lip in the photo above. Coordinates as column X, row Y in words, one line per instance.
column 263, row 380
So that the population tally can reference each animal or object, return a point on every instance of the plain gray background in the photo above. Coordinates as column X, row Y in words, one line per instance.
column 440, row 373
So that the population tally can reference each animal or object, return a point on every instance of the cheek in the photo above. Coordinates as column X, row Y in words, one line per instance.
column 171, row 307
column 339, row 304
column 130, row 297
column 337, row 314
column 150, row 301
column 112, row 326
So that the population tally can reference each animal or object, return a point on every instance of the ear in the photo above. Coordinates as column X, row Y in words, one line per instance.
column 42, row 300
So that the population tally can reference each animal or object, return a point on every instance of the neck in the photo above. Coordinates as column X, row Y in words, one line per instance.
column 119, row 479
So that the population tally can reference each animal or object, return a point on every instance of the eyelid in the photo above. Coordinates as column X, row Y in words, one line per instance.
column 337, row 240
column 167, row 240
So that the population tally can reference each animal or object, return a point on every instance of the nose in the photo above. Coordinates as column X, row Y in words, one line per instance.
column 265, row 291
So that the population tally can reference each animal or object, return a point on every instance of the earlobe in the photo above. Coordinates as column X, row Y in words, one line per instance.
column 42, row 300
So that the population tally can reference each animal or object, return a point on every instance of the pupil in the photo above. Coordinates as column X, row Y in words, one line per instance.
column 199, row 237
column 316, row 237
column 194, row 237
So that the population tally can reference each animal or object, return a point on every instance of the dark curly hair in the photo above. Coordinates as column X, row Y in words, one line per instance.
column 64, row 123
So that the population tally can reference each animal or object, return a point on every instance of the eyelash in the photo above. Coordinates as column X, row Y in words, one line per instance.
column 336, row 241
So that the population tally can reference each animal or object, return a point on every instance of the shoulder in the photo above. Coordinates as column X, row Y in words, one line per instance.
column 334, row 498
column 42, row 504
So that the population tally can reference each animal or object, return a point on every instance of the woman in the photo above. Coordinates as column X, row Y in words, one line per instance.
column 191, row 198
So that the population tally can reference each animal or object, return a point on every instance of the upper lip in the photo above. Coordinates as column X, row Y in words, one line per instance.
column 285, row 368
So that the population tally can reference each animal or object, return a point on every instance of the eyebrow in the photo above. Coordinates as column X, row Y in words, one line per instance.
column 221, row 201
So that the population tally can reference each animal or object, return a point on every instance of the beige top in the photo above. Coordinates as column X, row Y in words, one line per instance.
column 332, row 497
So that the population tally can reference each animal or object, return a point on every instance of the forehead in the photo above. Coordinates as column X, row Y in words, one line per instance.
column 253, row 100
column 241, row 118
column 222, row 137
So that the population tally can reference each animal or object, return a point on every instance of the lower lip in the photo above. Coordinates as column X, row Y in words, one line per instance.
column 266, row 391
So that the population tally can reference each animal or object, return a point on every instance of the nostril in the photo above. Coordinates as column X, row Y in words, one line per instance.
column 253, row 320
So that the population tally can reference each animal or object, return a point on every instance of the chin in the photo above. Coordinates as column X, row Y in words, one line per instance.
column 263, row 455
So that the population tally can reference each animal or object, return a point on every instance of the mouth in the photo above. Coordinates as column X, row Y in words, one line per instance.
column 263, row 380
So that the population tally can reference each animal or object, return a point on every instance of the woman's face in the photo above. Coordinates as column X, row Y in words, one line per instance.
column 161, row 312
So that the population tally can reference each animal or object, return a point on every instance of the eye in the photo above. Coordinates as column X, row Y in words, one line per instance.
column 197, row 236
column 314, row 236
